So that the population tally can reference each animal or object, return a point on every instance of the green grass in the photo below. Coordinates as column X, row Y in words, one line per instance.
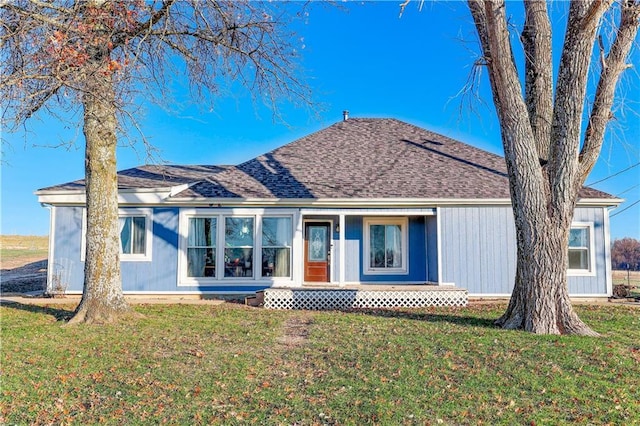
column 230, row 365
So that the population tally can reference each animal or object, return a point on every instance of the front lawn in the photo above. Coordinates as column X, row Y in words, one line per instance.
column 230, row 364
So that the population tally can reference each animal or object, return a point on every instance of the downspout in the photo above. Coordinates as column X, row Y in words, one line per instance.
column 607, row 251
column 50, row 255
column 439, row 245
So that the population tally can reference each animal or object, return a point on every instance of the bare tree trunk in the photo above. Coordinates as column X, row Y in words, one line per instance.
column 540, row 301
column 102, row 298
column 541, row 136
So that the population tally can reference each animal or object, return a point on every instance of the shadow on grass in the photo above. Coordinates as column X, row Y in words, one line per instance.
column 462, row 320
column 58, row 314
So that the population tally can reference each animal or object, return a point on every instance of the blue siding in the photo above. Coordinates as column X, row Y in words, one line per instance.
column 477, row 244
column 160, row 274
column 479, row 250
column 157, row 275
column 355, row 252
column 593, row 284
column 431, row 223
column 67, row 242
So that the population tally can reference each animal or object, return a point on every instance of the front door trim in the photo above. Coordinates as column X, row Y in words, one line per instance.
column 329, row 223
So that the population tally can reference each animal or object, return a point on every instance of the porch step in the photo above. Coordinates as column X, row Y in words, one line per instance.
column 354, row 298
column 255, row 301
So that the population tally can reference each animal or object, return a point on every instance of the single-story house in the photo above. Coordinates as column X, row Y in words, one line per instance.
column 363, row 201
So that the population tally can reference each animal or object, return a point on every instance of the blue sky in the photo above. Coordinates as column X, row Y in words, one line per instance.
column 358, row 56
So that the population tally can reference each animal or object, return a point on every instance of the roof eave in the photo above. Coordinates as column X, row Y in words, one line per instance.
column 600, row 202
column 373, row 202
column 125, row 196
column 336, row 202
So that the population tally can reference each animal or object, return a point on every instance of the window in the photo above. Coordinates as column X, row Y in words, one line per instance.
column 134, row 226
column 135, row 234
column 276, row 247
column 217, row 246
column 385, row 245
column 581, row 248
column 132, row 234
column 238, row 252
column 201, row 247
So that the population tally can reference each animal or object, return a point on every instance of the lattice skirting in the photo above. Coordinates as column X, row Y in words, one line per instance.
column 313, row 299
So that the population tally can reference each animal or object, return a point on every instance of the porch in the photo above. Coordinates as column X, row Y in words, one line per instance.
column 361, row 296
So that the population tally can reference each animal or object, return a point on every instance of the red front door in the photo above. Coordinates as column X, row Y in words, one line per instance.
column 316, row 252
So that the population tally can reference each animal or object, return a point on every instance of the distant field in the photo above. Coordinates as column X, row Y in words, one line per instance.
column 632, row 279
column 620, row 277
column 17, row 250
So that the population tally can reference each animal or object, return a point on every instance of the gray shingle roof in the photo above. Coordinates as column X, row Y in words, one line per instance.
column 152, row 177
column 359, row 158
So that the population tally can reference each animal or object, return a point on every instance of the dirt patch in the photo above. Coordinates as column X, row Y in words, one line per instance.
column 295, row 331
column 24, row 275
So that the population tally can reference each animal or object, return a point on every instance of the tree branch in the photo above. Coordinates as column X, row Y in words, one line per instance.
column 536, row 40
column 31, row 14
column 518, row 142
column 605, row 93
column 571, row 86
column 142, row 27
column 491, row 23
column 31, row 109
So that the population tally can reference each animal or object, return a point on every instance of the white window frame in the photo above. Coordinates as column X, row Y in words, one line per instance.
column 223, row 244
column 186, row 246
column 183, row 244
column 257, row 215
column 404, row 232
column 147, row 213
column 591, row 252
column 290, row 247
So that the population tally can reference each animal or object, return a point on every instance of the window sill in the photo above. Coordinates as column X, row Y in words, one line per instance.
column 239, row 281
column 580, row 273
column 386, row 272
column 124, row 258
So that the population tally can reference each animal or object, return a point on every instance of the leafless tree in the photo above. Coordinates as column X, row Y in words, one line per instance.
column 548, row 155
column 103, row 57
column 625, row 254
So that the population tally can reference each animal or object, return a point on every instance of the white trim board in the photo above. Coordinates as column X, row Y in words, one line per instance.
column 165, row 196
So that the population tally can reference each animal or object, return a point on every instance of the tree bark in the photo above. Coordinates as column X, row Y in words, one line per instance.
column 541, row 142
column 536, row 40
column 540, row 301
column 102, row 298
